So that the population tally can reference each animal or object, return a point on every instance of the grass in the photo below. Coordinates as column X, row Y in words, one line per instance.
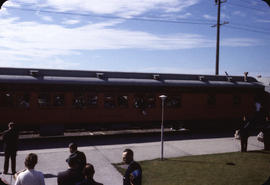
column 251, row 168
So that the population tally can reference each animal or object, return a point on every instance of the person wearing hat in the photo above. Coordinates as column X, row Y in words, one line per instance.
column 10, row 144
column 72, row 175
column 80, row 156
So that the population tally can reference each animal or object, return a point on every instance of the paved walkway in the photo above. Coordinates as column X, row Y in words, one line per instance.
column 51, row 161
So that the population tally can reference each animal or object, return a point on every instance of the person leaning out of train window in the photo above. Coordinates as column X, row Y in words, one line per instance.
column 266, row 133
column 259, row 113
column 244, row 132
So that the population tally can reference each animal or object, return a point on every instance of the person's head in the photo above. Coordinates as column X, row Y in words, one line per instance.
column 72, row 147
column 11, row 125
column 127, row 156
column 88, row 171
column 31, row 161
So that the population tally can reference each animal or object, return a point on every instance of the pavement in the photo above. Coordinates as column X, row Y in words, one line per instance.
column 102, row 152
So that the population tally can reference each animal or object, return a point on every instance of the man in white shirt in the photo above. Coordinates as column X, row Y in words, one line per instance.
column 30, row 176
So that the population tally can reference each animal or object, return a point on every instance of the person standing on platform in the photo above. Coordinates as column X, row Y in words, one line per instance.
column 244, row 132
column 10, row 145
column 30, row 176
column 88, row 173
column 266, row 134
column 133, row 174
column 80, row 156
column 72, row 175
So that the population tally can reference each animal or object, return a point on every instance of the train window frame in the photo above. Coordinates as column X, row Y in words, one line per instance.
column 92, row 100
column 139, row 102
column 211, row 100
column 109, row 101
column 78, row 100
column 143, row 101
column 60, row 102
column 44, row 105
column 170, row 103
column 151, row 101
column 23, row 100
column 122, row 104
column 7, row 99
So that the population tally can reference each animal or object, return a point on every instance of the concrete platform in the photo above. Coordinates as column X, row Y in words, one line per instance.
column 102, row 152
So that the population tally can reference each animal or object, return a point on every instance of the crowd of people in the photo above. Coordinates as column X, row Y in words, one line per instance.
column 79, row 172
column 260, row 123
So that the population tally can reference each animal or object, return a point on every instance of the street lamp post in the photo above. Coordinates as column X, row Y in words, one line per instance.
column 162, row 97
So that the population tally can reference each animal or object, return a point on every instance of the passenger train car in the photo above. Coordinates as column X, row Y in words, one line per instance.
column 54, row 100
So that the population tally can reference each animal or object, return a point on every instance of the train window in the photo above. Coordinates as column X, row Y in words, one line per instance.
column 6, row 99
column 150, row 101
column 59, row 100
column 92, row 100
column 211, row 100
column 44, row 100
column 109, row 102
column 139, row 102
column 173, row 102
column 79, row 100
column 237, row 100
column 23, row 100
column 122, row 101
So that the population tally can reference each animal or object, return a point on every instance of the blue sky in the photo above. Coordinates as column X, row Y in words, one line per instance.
column 161, row 36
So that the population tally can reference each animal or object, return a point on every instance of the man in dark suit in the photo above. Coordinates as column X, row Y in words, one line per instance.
column 88, row 173
column 80, row 156
column 10, row 143
column 133, row 174
column 244, row 132
column 72, row 175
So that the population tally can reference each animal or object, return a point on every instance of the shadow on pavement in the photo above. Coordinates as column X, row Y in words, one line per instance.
column 127, row 138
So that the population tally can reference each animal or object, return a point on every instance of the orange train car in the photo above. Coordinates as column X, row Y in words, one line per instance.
column 54, row 100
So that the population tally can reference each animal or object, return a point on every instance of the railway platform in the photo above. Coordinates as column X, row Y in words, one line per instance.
column 102, row 151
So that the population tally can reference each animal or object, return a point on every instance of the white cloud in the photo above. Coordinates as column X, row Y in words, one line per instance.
column 71, row 22
column 263, row 20
column 47, row 18
column 176, row 70
column 240, row 42
column 209, row 17
column 120, row 7
column 239, row 13
column 44, row 38
column 175, row 17
column 31, row 41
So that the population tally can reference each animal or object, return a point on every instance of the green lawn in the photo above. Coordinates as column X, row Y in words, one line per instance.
column 251, row 168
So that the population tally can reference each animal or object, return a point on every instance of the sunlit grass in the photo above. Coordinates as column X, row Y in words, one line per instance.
column 251, row 168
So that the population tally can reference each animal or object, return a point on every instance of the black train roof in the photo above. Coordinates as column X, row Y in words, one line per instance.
column 72, row 77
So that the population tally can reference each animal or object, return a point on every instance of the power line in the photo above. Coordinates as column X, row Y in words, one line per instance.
column 148, row 19
column 260, row 5
column 251, row 8
column 247, row 29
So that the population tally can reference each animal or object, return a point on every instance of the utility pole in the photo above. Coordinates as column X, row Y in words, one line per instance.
column 218, row 2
